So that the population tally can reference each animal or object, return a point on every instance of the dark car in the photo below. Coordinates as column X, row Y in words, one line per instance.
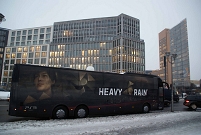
column 193, row 101
column 168, row 95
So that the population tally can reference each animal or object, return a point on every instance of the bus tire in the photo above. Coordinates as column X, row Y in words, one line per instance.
column 81, row 112
column 60, row 112
column 146, row 108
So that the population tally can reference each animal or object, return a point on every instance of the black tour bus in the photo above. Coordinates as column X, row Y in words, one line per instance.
column 38, row 91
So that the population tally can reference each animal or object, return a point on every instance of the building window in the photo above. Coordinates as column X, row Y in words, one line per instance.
column 25, row 49
column 30, row 32
column 29, row 37
column 42, row 30
column 19, row 55
column 30, row 55
column 24, row 61
column 18, row 38
column 19, row 49
column 18, row 33
column 36, row 61
column 36, row 31
column 41, row 42
column 37, row 48
column 12, row 39
column 13, row 55
column 24, row 32
column 30, row 61
column 47, row 41
column 17, row 43
column 24, row 55
column 18, row 61
column 48, row 30
column 41, row 36
column 43, row 61
column 23, row 38
column 12, row 62
column 35, row 37
column 7, row 50
column 37, row 54
column 47, row 36
column 44, row 54
column 44, row 48
column 34, row 42
column 31, row 49
column 13, row 33
column 28, row 42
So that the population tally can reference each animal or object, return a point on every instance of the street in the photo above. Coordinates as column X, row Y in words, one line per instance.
column 4, row 117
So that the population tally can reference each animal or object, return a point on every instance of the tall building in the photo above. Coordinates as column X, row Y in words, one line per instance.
column 3, row 43
column 110, row 44
column 26, row 46
column 175, row 41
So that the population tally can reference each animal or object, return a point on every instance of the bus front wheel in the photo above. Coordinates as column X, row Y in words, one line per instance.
column 60, row 112
column 81, row 112
column 145, row 108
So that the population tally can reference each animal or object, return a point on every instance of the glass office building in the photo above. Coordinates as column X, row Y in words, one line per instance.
column 3, row 43
column 110, row 44
column 175, row 41
column 179, row 45
column 26, row 46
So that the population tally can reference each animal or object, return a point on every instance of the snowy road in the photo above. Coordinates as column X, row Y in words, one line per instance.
column 155, row 123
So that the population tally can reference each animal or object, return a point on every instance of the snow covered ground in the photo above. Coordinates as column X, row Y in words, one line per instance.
column 154, row 123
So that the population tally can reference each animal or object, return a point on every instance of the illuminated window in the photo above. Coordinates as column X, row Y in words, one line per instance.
column 24, row 61
column 7, row 55
column 37, row 48
column 31, row 49
column 25, row 49
column 51, row 54
column 44, row 54
column 24, row 55
column 19, row 49
column 13, row 55
column 5, row 73
column 18, row 61
column 37, row 54
column 7, row 50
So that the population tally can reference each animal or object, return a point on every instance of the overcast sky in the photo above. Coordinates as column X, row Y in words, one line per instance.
column 154, row 16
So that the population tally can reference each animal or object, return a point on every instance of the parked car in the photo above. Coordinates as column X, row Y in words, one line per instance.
column 4, row 95
column 193, row 101
column 168, row 94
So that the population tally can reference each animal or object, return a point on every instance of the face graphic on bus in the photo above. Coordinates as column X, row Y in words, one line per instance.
column 43, row 81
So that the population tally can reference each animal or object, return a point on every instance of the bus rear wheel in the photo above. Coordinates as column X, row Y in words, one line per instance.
column 81, row 112
column 60, row 112
column 145, row 108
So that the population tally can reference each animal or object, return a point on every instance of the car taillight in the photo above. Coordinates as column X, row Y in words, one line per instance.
column 187, row 101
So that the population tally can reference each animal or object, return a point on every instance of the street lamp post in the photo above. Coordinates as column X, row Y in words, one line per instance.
column 171, row 62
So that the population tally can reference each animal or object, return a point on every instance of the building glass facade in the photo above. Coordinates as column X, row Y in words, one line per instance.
column 110, row 44
column 179, row 45
column 26, row 46
column 175, row 41
column 3, row 44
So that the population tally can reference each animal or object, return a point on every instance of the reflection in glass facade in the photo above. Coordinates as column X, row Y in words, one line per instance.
column 179, row 45
column 110, row 44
